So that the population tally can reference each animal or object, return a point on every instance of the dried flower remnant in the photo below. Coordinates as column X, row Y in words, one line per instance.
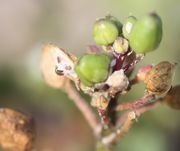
column 48, row 68
column 172, row 98
column 158, row 79
column 17, row 131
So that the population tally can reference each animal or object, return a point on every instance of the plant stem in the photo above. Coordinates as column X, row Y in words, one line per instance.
column 102, row 147
column 135, row 104
column 84, row 108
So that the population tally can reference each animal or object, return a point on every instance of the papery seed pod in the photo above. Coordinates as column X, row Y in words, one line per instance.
column 17, row 131
column 120, row 45
column 93, row 68
column 146, row 34
column 48, row 68
column 158, row 79
column 128, row 25
column 105, row 31
column 172, row 98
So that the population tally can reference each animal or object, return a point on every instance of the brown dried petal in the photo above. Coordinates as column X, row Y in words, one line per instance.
column 158, row 80
column 17, row 131
column 172, row 98
column 48, row 68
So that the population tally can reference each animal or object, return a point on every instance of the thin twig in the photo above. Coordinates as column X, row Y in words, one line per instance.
column 127, row 120
column 119, row 133
column 84, row 108
column 135, row 104
column 138, row 111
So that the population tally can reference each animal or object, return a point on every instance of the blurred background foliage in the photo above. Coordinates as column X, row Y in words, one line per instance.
column 27, row 25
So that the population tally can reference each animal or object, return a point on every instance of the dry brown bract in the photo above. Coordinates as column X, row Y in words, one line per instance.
column 172, row 98
column 48, row 68
column 16, row 131
column 158, row 79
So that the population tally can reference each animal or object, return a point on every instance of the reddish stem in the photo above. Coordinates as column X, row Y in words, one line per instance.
column 135, row 104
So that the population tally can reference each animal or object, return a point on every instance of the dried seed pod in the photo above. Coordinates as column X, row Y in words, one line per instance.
column 17, row 131
column 158, row 79
column 172, row 98
column 48, row 68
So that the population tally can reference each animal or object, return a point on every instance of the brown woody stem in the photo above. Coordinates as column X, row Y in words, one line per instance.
column 84, row 108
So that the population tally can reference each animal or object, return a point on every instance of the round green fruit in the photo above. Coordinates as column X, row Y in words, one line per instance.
column 93, row 68
column 146, row 34
column 128, row 25
column 116, row 22
column 105, row 31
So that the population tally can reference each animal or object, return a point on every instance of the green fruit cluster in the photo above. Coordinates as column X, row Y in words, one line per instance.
column 141, row 35
column 144, row 34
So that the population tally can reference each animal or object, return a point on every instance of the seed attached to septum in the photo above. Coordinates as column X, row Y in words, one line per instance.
column 93, row 68
column 158, row 80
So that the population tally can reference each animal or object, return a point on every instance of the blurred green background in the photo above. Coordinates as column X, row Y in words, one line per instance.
column 26, row 25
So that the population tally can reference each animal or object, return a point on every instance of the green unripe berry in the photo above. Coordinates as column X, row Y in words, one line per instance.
column 146, row 34
column 105, row 31
column 93, row 68
column 128, row 25
column 116, row 22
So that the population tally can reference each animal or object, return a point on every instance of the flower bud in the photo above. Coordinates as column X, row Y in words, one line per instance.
column 120, row 45
column 158, row 79
column 128, row 25
column 172, row 98
column 93, row 68
column 105, row 31
column 142, row 72
column 146, row 34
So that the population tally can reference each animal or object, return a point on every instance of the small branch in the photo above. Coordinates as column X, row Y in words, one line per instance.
column 127, row 120
column 120, row 132
column 139, row 111
column 148, row 107
column 84, row 108
column 134, row 81
column 135, row 104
